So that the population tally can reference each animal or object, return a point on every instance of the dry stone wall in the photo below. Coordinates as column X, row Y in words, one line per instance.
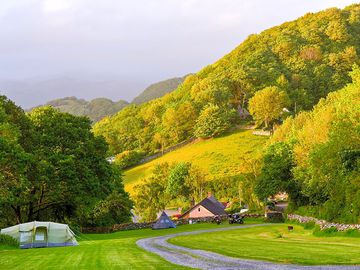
column 323, row 224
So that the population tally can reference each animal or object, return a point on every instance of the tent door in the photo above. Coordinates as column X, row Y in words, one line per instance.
column 40, row 237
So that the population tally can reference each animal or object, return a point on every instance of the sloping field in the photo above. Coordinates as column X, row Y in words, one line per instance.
column 219, row 157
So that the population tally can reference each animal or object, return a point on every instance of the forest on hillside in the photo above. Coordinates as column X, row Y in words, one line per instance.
column 306, row 59
column 314, row 157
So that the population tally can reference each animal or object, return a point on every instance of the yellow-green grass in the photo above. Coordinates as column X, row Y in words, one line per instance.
column 218, row 157
column 96, row 251
column 275, row 243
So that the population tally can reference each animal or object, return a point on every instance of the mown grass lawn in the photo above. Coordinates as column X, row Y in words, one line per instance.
column 96, row 251
column 218, row 157
column 275, row 243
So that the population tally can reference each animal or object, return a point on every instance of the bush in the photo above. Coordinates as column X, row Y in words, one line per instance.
column 127, row 159
column 308, row 225
column 275, row 217
column 7, row 240
column 332, row 231
column 213, row 121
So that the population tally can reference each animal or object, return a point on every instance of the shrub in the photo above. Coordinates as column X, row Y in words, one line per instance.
column 127, row 159
column 8, row 240
column 275, row 217
column 213, row 121
column 309, row 225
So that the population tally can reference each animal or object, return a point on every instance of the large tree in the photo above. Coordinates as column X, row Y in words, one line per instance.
column 267, row 105
column 59, row 171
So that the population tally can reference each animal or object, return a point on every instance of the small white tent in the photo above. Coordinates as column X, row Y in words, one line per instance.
column 41, row 234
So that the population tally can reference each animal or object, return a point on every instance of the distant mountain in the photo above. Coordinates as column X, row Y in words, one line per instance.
column 29, row 93
column 158, row 89
column 98, row 108
column 95, row 109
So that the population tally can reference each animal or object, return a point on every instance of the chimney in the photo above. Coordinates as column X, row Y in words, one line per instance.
column 209, row 194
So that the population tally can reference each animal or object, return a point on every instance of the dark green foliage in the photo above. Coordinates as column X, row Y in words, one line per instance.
column 58, row 173
column 275, row 217
column 8, row 241
column 276, row 173
column 176, row 182
column 158, row 89
column 308, row 225
column 127, row 159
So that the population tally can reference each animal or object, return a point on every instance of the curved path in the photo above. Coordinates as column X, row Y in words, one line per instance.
column 201, row 259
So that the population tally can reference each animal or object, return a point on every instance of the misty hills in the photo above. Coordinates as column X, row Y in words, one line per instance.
column 98, row 108
column 95, row 109
column 158, row 89
column 33, row 92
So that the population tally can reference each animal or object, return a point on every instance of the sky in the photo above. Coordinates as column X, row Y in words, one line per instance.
column 133, row 43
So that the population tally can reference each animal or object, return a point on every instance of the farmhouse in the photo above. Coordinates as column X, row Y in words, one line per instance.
column 208, row 207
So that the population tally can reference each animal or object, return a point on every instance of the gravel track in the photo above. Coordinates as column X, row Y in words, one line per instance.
column 201, row 259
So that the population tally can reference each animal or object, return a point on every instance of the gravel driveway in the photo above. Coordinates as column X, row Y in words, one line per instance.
column 201, row 259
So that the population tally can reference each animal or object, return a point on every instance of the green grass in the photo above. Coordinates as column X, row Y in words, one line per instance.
column 219, row 157
column 96, row 251
column 275, row 243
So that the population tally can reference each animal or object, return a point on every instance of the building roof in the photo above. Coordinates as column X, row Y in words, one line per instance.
column 211, row 204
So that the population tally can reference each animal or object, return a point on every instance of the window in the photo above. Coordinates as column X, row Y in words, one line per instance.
column 40, row 236
column 25, row 237
column 199, row 209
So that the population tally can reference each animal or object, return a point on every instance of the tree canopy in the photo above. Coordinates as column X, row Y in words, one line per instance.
column 58, row 171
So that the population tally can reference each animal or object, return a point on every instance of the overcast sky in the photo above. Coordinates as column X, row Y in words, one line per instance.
column 138, row 41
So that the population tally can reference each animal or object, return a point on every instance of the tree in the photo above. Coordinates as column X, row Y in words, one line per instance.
column 176, row 184
column 58, row 172
column 267, row 105
column 213, row 121
column 276, row 173
column 150, row 195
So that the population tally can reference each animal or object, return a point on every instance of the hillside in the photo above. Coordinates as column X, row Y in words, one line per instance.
column 315, row 157
column 307, row 58
column 158, row 89
column 99, row 108
column 219, row 157
column 95, row 109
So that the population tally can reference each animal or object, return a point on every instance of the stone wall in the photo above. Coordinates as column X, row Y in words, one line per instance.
column 323, row 224
column 147, row 225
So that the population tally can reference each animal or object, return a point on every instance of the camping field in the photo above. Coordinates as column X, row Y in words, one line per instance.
column 96, row 251
column 218, row 157
column 275, row 243
column 119, row 250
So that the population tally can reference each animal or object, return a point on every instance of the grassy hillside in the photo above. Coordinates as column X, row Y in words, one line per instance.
column 275, row 243
column 307, row 58
column 158, row 89
column 218, row 157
